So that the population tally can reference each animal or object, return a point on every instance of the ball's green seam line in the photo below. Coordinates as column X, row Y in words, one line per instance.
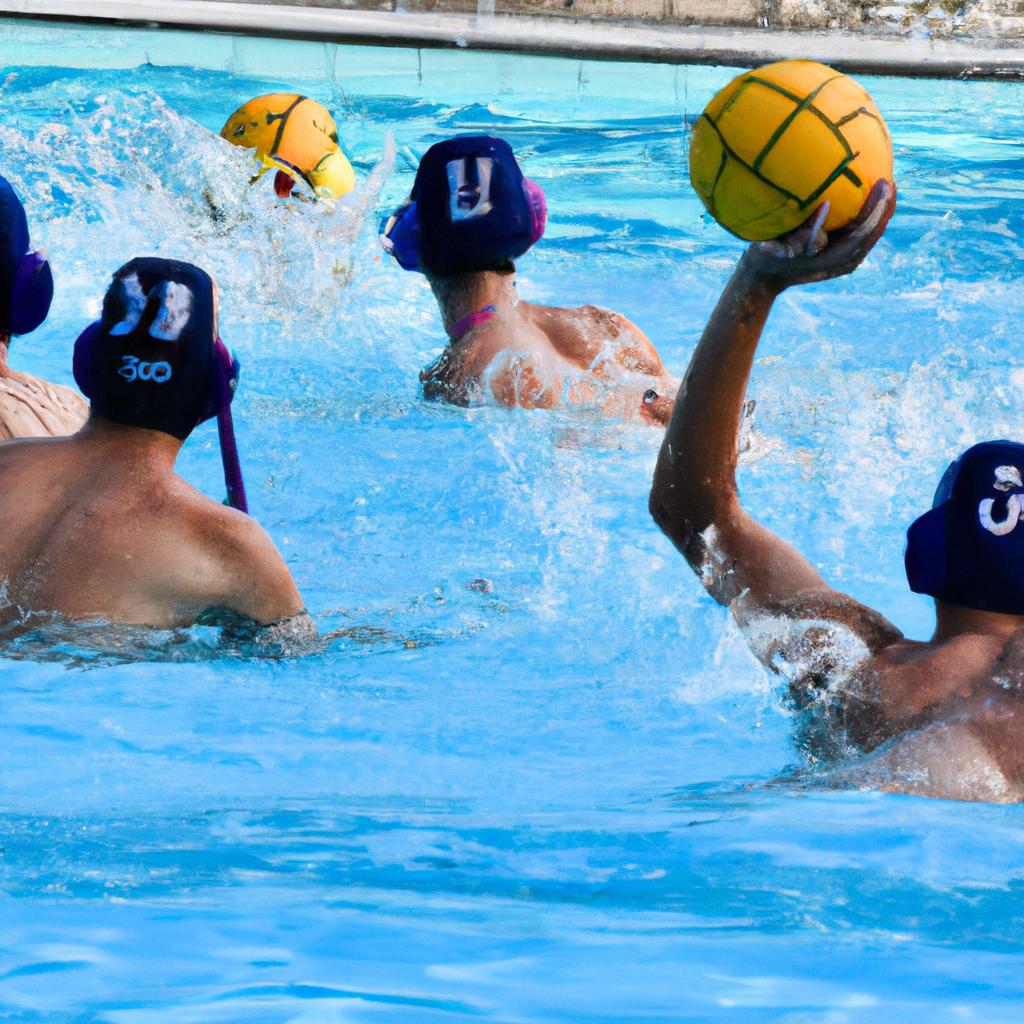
column 852, row 176
column 740, row 90
column 837, row 173
column 283, row 118
column 823, row 117
column 856, row 113
column 761, row 216
column 789, row 119
column 718, row 177
column 760, row 177
column 778, row 88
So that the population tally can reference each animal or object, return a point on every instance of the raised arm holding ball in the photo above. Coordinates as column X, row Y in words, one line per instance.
column 471, row 214
column 941, row 718
column 944, row 717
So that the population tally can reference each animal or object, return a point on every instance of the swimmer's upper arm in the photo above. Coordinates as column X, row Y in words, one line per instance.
column 746, row 566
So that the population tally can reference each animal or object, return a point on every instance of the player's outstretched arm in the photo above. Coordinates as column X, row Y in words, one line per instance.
column 694, row 498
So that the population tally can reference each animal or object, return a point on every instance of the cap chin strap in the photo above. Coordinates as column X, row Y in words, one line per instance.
column 226, row 433
column 471, row 320
column 538, row 209
column 31, row 294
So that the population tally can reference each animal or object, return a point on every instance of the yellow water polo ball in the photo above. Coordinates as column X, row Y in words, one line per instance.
column 297, row 135
column 777, row 142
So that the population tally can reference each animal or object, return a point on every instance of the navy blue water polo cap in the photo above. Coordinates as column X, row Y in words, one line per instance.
column 26, row 281
column 470, row 209
column 969, row 549
column 152, row 359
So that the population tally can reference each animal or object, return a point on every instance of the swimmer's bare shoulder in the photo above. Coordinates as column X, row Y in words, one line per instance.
column 970, row 742
column 234, row 567
column 523, row 378
column 30, row 407
column 584, row 333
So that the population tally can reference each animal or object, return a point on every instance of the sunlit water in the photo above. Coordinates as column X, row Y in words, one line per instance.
column 537, row 777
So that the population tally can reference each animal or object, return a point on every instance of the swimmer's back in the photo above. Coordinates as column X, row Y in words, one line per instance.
column 588, row 335
column 527, row 356
column 92, row 538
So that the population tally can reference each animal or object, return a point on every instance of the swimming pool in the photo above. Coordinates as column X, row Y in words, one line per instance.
column 538, row 777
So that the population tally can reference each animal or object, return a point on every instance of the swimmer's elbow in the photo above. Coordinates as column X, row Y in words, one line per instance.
column 690, row 520
column 676, row 524
column 660, row 512
column 676, row 501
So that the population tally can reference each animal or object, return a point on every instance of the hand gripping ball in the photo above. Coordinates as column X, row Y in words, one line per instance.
column 777, row 142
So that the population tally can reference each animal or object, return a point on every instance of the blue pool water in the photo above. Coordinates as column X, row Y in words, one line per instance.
column 561, row 795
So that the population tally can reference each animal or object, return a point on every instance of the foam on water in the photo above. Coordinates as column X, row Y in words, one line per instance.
column 536, row 774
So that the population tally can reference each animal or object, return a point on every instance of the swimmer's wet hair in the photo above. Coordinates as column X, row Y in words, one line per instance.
column 150, row 360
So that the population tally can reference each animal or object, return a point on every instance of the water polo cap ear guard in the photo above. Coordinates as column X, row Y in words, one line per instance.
column 538, row 209
column 31, row 294
column 925, row 558
column 400, row 235
column 28, row 284
column 225, row 369
column 968, row 549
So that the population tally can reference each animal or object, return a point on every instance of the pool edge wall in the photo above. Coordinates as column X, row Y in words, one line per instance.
column 554, row 37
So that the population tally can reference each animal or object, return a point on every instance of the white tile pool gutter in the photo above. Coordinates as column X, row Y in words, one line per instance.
column 551, row 36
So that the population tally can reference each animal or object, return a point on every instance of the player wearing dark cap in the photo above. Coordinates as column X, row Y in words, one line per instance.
column 471, row 214
column 98, row 525
column 942, row 717
column 29, row 407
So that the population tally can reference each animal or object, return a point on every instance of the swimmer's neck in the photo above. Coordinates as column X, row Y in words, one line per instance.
column 951, row 621
column 134, row 444
column 458, row 295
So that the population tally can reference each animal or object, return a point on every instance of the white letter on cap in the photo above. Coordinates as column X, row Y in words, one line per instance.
column 468, row 201
column 175, row 309
column 135, row 300
column 1013, row 513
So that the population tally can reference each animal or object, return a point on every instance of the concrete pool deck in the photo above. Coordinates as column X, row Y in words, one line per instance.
column 590, row 38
